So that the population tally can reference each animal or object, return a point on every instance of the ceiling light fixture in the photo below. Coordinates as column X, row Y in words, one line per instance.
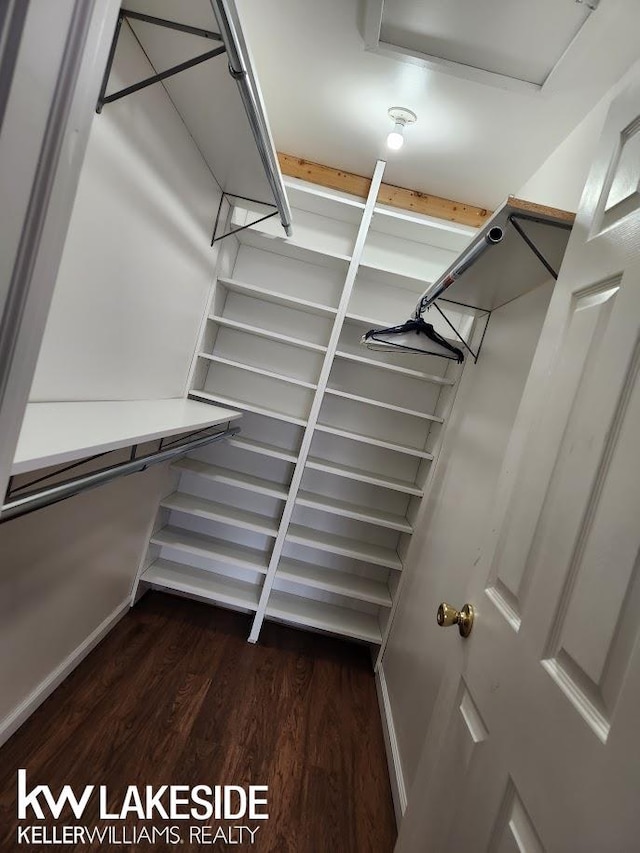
column 401, row 117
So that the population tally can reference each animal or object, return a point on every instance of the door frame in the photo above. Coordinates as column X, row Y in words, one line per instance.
column 53, row 58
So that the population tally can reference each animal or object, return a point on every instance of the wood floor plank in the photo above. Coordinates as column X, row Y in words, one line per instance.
column 176, row 695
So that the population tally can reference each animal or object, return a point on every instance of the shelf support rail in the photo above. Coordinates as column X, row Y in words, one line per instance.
column 40, row 498
column 103, row 98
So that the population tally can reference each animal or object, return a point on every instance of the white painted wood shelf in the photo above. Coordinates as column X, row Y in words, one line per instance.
column 394, row 368
column 331, row 580
column 190, row 544
column 374, row 442
column 247, row 406
column 164, row 574
column 361, row 476
column 277, row 298
column 365, row 552
column 203, row 508
column 230, row 478
column 263, row 449
column 355, row 511
column 324, row 617
column 266, row 333
column 56, row 433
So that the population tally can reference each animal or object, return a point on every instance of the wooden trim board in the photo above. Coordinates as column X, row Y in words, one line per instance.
column 418, row 202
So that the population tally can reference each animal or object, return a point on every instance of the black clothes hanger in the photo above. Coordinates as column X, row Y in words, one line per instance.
column 411, row 336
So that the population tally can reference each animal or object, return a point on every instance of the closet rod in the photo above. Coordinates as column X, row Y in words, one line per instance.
column 489, row 238
column 241, row 71
column 40, row 498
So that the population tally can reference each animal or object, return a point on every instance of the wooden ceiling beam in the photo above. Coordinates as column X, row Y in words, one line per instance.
column 418, row 202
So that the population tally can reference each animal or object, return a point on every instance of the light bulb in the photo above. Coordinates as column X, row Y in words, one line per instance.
column 395, row 140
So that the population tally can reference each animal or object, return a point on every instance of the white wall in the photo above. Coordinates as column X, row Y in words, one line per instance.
column 561, row 178
column 137, row 264
column 450, row 532
column 66, row 573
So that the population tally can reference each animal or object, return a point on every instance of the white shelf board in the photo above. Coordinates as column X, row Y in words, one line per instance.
column 394, row 368
column 249, row 407
column 401, row 410
column 231, row 478
column 324, row 617
column 198, row 545
column 324, row 201
column 266, row 333
column 262, row 448
column 331, row 580
column 420, row 228
column 377, row 555
column 510, row 269
column 375, row 442
column 55, row 433
column 363, row 476
column 191, row 505
column 355, row 511
column 273, row 296
column 225, row 590
column 250, row 368
column 291, row 249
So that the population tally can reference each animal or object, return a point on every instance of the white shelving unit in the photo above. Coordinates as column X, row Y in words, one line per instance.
column 306, row 516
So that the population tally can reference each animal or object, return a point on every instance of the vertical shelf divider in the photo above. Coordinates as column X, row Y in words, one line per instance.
column 317, row 400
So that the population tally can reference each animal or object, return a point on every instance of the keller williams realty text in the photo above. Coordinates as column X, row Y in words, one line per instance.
column 166, row 803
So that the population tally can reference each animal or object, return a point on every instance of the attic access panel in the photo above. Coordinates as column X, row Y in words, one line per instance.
column 514, row 43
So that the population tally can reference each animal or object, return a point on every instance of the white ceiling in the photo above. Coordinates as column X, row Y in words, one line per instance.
column 327, row 98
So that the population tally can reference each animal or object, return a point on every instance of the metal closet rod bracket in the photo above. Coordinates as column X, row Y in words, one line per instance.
column 484, row 311
column 225, row 197
column 516, row 218
column 103, row 98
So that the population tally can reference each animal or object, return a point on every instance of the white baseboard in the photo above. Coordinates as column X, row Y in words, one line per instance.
column 398, row 790
column 12, row 722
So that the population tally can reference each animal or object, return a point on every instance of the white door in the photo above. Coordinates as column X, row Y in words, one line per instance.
column 535, row 742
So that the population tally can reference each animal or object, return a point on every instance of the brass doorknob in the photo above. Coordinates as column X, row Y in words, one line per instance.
column 448, row 615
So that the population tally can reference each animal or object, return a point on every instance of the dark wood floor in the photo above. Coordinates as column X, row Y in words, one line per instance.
column 175, row 695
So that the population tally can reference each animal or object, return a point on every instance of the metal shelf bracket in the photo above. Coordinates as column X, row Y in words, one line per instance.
column 103, row 98
column 225, row 197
